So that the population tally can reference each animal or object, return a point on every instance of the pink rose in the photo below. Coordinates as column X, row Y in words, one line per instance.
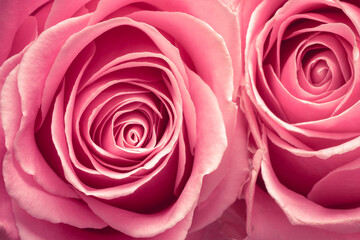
column 116, row 117
column 301, row 97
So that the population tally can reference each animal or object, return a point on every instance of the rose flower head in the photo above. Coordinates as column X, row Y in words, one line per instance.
column 301, row 95
column 117, row 117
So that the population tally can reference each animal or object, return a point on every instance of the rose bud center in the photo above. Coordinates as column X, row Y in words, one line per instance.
column 319, row 71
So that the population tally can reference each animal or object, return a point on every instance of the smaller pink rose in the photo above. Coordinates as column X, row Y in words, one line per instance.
column 301, row 98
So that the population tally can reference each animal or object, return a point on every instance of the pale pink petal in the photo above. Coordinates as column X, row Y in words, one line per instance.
column 269, row 222
column 34, row 68
column 42, row 204
column 11, row 115
column 8, row 228
column 9, row 65
column 10, row 106
column 229, row 187
column 35, row 229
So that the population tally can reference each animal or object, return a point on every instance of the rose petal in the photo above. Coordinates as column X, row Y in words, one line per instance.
column 62, row 10
column 11, row 18
column 293, row 204
column 328, row 190
column 35, row 229
column 230, row 185
column 42, row 204
column 8, row 228
column 279, row 227
column 352, row 12
column 30, row 93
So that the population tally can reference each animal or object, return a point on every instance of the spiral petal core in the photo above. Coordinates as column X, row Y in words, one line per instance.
column 303, row 78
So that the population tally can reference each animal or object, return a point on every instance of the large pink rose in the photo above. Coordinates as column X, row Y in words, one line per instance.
column 301, row 95
column 116, row 117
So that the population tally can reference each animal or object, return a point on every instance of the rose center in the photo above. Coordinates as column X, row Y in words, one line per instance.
column 318, row 72
column 318, row 64
column 130, row 135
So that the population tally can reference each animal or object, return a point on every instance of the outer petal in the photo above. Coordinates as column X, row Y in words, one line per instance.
column 329, row 191
column 8, row 228
column 11, row 17
column 269, row 222
column 7, row 221
column 62, row 10
column 231, row 225
column 34, row 229
column 293, row 204
column 38, row 167
column 236, row 167
column 42, row 204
